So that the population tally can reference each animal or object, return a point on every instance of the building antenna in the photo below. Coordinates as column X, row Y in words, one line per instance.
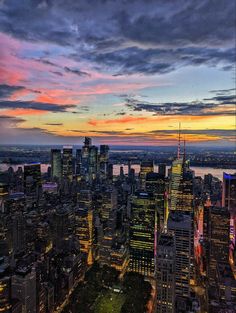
column 178, row 153
column 184, row 148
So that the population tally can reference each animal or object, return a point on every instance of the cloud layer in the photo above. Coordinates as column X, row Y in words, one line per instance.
column 119, row 70
column 128, row 37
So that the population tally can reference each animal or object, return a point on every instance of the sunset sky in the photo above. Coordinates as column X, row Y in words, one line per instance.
column 124, row 72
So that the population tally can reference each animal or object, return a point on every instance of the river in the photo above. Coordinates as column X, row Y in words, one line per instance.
column 199, row 171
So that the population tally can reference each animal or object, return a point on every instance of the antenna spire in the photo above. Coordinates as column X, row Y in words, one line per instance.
column 178, row 153
column 184, row 149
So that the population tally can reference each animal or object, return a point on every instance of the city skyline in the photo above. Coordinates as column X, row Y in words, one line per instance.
column 125, row 73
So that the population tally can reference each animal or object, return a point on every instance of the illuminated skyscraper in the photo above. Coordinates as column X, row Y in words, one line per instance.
column 56, row 164
column 145, row 167
column 3, row 195
column 108, row 202
column 5, row 287
column 93, row 163
column 181, row 186
column 142, row 236
column 165, row 273
column 156, row 184
column 229, row 192
column 218, row 236
column 229, row 202
column 78, row 162
column 182, row 227
column 85, row 156
column 85, row 224
column 103, row 161
column 175, row 183
column 67, row 168
column 185, row 203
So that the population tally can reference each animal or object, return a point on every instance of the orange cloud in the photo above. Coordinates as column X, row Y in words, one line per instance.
column 19, row 112
column 123, row 120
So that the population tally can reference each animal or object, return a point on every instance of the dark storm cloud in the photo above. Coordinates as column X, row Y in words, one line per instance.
column 7, row 90
column 196, row 108
column 127, row 37
column 34, row 105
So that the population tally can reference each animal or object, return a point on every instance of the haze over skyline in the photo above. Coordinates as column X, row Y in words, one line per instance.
column 123, row 72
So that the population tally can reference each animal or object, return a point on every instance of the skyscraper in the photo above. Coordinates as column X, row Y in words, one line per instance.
column 85, row 225
column 5, row 286
column 181, row 186
column 175, row 183
column 24, row 288
column 85, row 157
column 32, row 178
column 219, row 226
column 145, row 167
column 18, row 232
column 229, row 202
column 78, row 160
column 67, row 168
column 186, row 202
column 182, row 227
column 103, row 161
column 61, row 225
column 143, row 227
column 93, row 163
column 56, row 164
column 162, row 170
column 156, row 184
column 165, row 273
column 229, row 192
